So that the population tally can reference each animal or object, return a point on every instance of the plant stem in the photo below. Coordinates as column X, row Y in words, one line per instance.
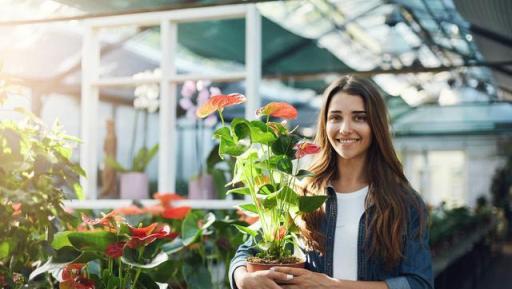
column 136, row 278
column 221, row 117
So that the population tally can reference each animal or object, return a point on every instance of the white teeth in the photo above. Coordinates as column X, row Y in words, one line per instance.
column 345, row 141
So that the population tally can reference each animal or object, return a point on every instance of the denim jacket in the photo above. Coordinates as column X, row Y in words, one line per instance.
column 413, row 272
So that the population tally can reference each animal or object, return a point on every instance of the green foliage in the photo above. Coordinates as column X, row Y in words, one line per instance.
column 139, row 162
column 36, row 172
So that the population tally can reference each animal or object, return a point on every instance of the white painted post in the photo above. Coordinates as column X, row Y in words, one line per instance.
column 167, row 151
column 252, row 60
column 89, row 111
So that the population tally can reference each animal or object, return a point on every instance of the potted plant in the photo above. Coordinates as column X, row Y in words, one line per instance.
column 134, row 181
column 264, row 171
column 201, row 185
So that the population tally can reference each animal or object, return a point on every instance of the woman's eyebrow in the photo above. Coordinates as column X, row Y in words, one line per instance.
column 353, row 112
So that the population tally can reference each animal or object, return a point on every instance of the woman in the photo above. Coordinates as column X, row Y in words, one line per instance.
column 372, row 231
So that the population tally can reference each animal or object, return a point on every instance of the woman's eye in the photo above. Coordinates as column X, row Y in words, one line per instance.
column 360, row 118
column 334, row 117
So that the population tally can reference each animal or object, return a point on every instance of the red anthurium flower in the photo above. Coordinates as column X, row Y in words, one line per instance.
column 167, row 198
column 306, row 148
column 73, row 271
column 115, row 250
column 178, row 213
column 79, row 283
column 129, row 211
column 147, row 235
column 281, row 233
column 278, row 109
column 219, row 102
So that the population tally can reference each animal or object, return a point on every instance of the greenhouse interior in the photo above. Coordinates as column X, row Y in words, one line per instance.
column 159, row 143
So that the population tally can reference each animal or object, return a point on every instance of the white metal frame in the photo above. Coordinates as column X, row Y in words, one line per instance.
column 91, row 83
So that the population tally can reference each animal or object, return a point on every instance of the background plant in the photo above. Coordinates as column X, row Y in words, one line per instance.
column 36, row 172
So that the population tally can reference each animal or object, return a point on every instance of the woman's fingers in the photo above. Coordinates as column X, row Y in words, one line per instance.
column 290, row 270
column 278, row 276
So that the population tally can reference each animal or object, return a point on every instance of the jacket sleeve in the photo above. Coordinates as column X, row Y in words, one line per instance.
column 415, row 270
column 240, row 259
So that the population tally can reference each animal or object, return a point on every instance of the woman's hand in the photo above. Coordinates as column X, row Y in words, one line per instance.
column 259, row 280
column 305, row 279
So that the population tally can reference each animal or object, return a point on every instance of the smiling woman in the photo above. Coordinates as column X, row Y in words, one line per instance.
column 372, row 232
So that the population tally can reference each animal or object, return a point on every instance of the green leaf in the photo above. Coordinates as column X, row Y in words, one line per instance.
column 270, row 202
column 5, row 249
column 266, row 189
column 175, row 246
column 129, row 259
column 304, row 173
column 115, row 165
column 92, row 241
column 61, row 240
column 190, row 232
column 287, row 195
column 146, row 282
column 261, row 133
column 250, row 207
column 79, row 191
column 50, row 265
column 308, row 204
column 66, row 254
column 282, row 145
column 197, row 277
column 241, row 128
column 241, row 191
column 246, row 230
column 285, row 165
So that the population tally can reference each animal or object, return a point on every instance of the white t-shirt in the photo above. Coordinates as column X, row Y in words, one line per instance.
column 350, row 210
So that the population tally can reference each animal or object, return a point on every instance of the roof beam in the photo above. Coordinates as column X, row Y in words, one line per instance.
column 496, row 37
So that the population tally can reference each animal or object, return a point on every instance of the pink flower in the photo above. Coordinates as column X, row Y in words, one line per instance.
column 306, row 148
column 278, row 109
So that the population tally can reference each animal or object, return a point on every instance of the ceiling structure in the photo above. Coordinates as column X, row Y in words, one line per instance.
column 425, row 51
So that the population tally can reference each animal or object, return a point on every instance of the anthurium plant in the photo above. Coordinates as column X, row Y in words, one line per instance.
column 264, row 151
column 109, row 253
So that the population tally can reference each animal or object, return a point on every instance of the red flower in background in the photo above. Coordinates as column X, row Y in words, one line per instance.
column 115, row 250
column 306, row 149
column 278, row 109
column 75, row 277
column 129, row 211
column 167, row 198
column 178, row 213
column 147, row 235
column 219, row 102
column 17, row 209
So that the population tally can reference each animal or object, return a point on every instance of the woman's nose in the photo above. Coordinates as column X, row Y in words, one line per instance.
column 345, row 127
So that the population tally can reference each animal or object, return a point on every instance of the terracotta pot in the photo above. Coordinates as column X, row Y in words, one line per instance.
column 254, row 267
column 134, row 186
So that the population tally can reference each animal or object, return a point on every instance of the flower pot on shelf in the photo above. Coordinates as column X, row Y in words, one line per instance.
column 134, row 186
column 201, row 188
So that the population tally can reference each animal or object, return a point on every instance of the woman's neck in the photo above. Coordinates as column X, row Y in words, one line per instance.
column 351, row 174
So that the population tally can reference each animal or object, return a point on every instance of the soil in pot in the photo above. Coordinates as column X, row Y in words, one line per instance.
column 255, row 264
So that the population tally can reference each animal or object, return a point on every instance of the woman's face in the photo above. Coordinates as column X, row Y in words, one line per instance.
column 347, row 126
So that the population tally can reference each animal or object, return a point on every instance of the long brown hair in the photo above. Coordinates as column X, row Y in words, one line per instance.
column 389, row 191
